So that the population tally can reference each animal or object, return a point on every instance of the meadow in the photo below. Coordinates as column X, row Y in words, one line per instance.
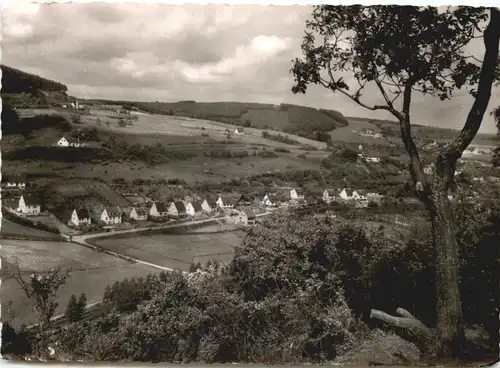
column 173, row 250
column 91, row 272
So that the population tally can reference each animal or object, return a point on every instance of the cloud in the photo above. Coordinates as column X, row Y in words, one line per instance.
column 199, row 52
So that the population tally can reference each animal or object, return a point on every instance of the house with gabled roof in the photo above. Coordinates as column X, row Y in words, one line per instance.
column 246, row 217
column 137, row 214
column 245, row 200
column 208, row 205
column 225, row 202
column 30, row 204
column 177, row 209
column 158, row 209
column 346, row 194
column 114, row 215
column 80, row 217
column 296, row 194
column 195, row 209
column 328, row 195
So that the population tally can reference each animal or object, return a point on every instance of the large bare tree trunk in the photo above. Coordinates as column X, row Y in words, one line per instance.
column 449, row 326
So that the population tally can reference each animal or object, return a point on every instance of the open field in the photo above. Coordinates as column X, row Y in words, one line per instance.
column 172, row 250
column 91, row 272
column 92, row 282
column 11, row 229
column 41, row 255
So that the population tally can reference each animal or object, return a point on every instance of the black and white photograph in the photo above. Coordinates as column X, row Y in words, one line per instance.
column 250, row 184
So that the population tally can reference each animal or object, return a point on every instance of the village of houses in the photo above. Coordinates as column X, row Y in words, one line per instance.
column 238, row 209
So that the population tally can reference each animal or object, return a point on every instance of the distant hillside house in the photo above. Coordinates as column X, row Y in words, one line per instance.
column 328, row 196
column 267, row 202
column 346, row 194
column 429, row 169
column 208, row 205
column 239, row 131
column 360, row 196
column 16, row 181
column 246, row 217
column 158, row 209
column 63, row 142
column 373, row 159
column 137, row 214
column 80, row 217
column 296, row 194
column 29, row 204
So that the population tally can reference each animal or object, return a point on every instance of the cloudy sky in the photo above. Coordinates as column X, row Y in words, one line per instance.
column 158, row 52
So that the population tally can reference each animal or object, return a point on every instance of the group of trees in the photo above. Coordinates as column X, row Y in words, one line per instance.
column 76, row 308
column 17, row 81
column 365, row 45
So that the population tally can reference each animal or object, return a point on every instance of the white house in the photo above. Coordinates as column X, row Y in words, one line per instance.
column 239, row 131
column 246, row 217
column 296, row 194
column 225, row 202
column 177, row 208
column 346, row 194
column 208, row 205
column 16, row 181
column 267, row 202
column 111, row 216
column 29, row 204
column 189, row 208
column 328, row 195
column 138, row 214
column 158, row 209
column 63, row 142
column 198, row 210
column 80, row 217
column 429, row 169
column 373, row 159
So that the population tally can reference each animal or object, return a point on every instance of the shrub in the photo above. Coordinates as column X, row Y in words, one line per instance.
column 282, row 150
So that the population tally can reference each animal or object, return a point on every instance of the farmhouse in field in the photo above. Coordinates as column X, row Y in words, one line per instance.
column 246, row 217
column 239, row 131
column 137, row 214
column 80, row 217
column 15, row 181
column 29, row 204
column 373, row 159
column 158, row 209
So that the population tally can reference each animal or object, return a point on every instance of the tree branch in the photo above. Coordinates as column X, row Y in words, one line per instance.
column 446, row 160
column 415, row 167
